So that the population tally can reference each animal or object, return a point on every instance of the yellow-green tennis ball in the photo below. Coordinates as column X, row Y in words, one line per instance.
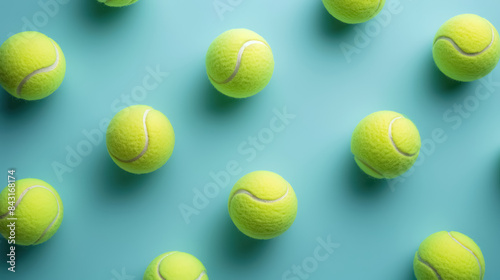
column 140, row 139
column 175, row 266
column 37, row 212
column 466, row 48
column 354, row 11
column 32, row 66
column 385, row 144
column 262, row 205
column 239, row 63
column 118, row 3
column 448, row 256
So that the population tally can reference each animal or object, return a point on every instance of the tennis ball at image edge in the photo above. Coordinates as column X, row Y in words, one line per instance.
column 140, row 139
column 354, row 11
column 239, row 63
column 176, row 266
column 448, row 255
column 32, row 66
column 262, row 205
column 38, row 209
column 118, row 3
column 466, row 48
column 385, row 144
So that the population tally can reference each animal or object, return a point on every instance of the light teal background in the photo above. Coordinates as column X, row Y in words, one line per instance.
column 115, row 223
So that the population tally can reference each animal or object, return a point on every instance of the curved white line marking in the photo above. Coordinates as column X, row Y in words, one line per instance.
column 145, row 149
column 203, row 273
column 470, row 251
column 238, row 61
column 259, row 199
column 39, row 71
column 465, row 53
column 379, row 4
column 369, row 166
column 392, row 140
column 159, row 263
column 429, row 266
column 21, row 198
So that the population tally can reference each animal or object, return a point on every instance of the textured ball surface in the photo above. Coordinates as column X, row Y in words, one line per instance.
column 118, row 3
column 385, row 144
column 448, row 256
column 176, row 266
column 140, row 139
column 239, row 63
column 466, row 48
column 32, row 66
column 262, row 205
column 354, row 11
column 38, row 209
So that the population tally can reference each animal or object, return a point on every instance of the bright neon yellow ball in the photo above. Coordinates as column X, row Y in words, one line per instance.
column 175, row 266
column 448, row 256
column 32, row 66
column 466, row 48
column 385, row 144
column 262, row 205
column 38, row 209
column 239, row 63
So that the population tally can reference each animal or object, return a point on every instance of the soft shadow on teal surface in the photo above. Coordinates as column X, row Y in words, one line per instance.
column 215, row 103
column 13, row 108
column 440, row 81
column 115, row 182
column 24, row 254
column 233, row 246
column 331, row 26
column 99, row 10
column 361, row 184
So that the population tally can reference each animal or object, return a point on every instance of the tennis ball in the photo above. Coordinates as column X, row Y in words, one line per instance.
column 239, row 63
column 118, row 3
column 262, row 205
column 354, row 11
column 37, row 212
column 32, row 66
column 176, row 266
column 466, row 48
column 385, row 144
column 448, row 256
column 140, row 139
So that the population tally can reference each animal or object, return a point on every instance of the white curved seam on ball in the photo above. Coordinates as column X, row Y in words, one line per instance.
column 55, row 219
column 429, row 266
column 465, row 53
column 39, row 71
column 203, row 273
column 21, row 198
column 369, row 166
column 392, row 140
column 146, row 145
column 260, row 199
column 159, row 263
column 470, row 251
column 238, row 61
column 379, row 4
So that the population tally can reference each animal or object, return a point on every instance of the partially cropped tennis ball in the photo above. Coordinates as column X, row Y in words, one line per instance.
column 354, row 11
column 448, row 256
column 466, row 48
column 140, row 139
column 262, row 205
column 239, row 63
column 32, row 66
column 385, row 144
column 37, row 212
column 117, row 3
column 176, row 266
